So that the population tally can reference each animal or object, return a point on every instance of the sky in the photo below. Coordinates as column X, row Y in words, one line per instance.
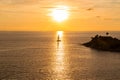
column 84, row 15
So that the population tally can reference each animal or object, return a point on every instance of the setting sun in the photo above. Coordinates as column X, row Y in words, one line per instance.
column 60, row 13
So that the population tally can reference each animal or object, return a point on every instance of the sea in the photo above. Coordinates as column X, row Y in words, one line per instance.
column 39, row 56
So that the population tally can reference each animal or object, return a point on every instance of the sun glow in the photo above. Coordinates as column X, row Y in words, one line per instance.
column 60, row 13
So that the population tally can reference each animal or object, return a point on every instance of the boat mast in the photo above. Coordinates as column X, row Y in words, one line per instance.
column 58, row 37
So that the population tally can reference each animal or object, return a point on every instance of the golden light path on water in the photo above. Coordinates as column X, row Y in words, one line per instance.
column 60, row 61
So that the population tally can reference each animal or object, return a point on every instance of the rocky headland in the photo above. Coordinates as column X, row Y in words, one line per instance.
column 105, row 43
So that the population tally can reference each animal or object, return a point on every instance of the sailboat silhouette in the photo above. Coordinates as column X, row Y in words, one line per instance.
column 58, row 39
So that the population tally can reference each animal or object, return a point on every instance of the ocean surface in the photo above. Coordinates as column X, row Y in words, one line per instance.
column 38, row 56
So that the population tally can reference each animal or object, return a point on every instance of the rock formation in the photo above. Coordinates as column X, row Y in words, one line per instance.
column 106, row 43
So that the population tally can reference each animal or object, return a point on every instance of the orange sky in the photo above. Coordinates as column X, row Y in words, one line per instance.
column 84, row 15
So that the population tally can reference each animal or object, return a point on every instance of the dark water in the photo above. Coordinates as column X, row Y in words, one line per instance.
column 37, row 56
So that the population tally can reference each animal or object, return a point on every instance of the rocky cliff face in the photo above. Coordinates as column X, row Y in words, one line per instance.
column 106, row 43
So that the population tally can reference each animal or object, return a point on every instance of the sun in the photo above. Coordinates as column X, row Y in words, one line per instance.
column 60, row 13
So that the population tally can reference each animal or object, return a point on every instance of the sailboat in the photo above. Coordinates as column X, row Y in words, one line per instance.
column 58, row 39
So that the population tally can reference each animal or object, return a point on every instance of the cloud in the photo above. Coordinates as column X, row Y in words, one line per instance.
column 19, row 2
column 27, row 2
column 24, row 6
column 108, row 4
column 75, row 5
column 89, row 9
column 115, row 19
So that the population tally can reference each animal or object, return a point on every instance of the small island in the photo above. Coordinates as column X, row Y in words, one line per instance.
column 104, row 43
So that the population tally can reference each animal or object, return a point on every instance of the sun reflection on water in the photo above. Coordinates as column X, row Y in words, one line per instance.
column 59, row 58
column 60, row 53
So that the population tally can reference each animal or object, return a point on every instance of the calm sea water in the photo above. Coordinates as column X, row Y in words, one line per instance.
column 37, row 56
